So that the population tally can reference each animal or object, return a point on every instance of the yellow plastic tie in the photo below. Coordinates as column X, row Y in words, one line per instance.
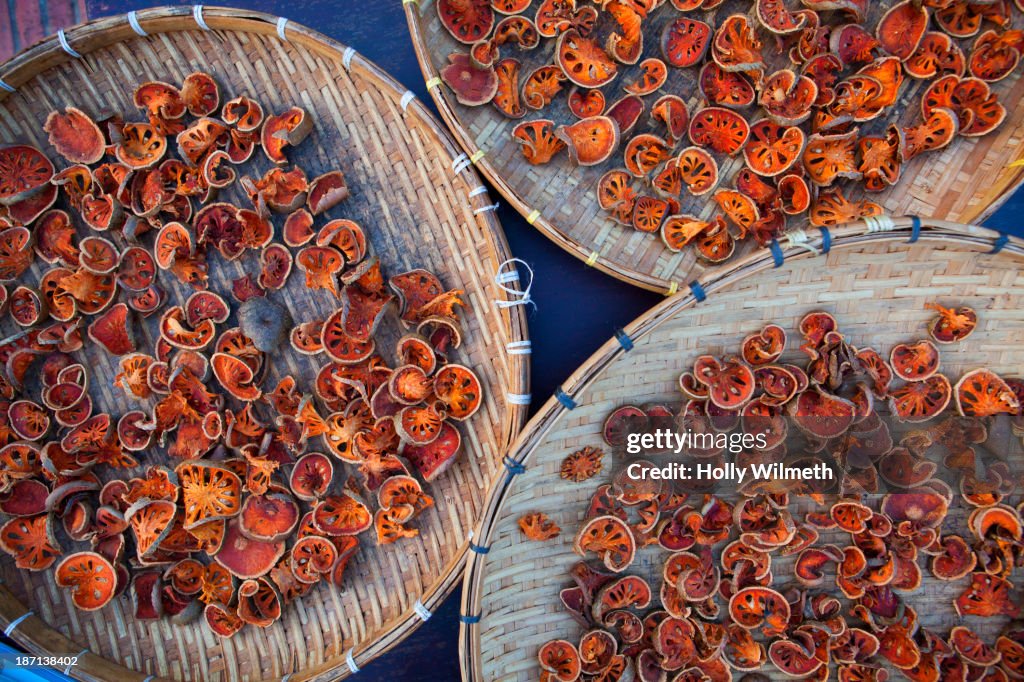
column 672, row 289
column 477, row 155
column 1016, row 164
column 592, row 258
column 532, row 218
column 433, row 82
column 410, row 2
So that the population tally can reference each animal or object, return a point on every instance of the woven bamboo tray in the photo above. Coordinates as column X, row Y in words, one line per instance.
column 876, row 284
column 417, row 211
column 964, row 182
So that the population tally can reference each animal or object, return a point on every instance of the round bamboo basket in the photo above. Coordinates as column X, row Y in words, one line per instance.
column 418, row 212
column 876, row 284
column 964, row 182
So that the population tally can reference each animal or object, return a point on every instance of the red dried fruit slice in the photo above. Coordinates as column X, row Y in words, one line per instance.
column 542, row 85
column 793, row 658
column 765, row 346
column 829, row 157
column 276, row 265
column 519, row 31
column 29, row 539
column 245, row 558
column 685, row 41
column 472, row 86
column 951, row 325
column 322, row 265
column 342, row 515
column 538, row 527
column 736, row 46
column 914, row 362
column 466, row 20
column 716, row 243
column 937, row 55
column 460, row 390
column 200, row 94
column 679, row 230
column 113, row 331
column 831, row 208
column 434, row 458
column 648, row 213
column 995, row 55
column 583, row 60
column 671, row 111
column 936, row 132
column 902, row 28
column 725, row 88
column 719, row 129
column 24, row 170
column 760, row 608
column 141, row 146
column 610, row 538
column 613, row 189
column 822, row 414
column 739, row 208
column 787, row 98
column 75, row 136
column 644, row 153
column 287, row 129
column 653, row 74
column 978, row 109
column 626, row 112
column 774, row 16
column 773, row 149
column 986, row 596
column 698, row 170
column 506, row 99
column 560, row 661
column 881, row 163
column 269, row 517
column 956, row 560
column 584, row 103
column 92, row 579
column 537, row 140
column 245, row 114
column 919, row 401
column 590, row 141
column 982, row 393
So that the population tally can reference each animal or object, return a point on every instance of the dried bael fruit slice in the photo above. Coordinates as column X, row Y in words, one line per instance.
column 287, row 129
column 92, row 579
column 914, row 362
column 560, row 661
column 725, row 88
column 466, row 20
column 537, row 526
column 902, row 28
column 721, row 130
column 582, row 464
column 983, row 393
column 952, row 325
column 537, row 140
column 685, row 41
column 590, row 141
column 583, row 60
column 24, row 170
column 773, row 149
column 918, row 401
column 584, row 103
column 75, row 136
column 434, row 458
column 244, row 557
column 610, row 538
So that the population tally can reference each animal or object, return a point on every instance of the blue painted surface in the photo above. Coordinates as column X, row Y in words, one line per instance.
column 578, row 308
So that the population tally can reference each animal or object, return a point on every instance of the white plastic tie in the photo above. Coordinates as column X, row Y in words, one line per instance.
column 62, row 38
column 407, row 97
column 800, row 238
column 149, row 678
column 519, row 347
column 422, row 612
column 287, row 677
column 74, row 662
column 518, row 398
column 133, row 21
column 478, row 191
column 485, row 209
column 5, row 86
column 13, row 625
column 350, row 661
column 346, row 57
column 882, row 223
column 460, row 163
column 197, row 14
column 282, row 25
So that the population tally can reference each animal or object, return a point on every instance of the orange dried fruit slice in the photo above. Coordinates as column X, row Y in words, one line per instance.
column 141, row 146
column 537, row 140
column 92, row 579
column 584, row 103
column 460, row 390
column 209, row 493
column 725, row 88
column 30, row 539
column 983, row 393
column 590, row 141
column 24, row 170
column 918, row 401
column 507, row 99
column 466, row 20
column 698, row 170
column 685, row 41
column 610, row 538
column 75, row 136
column 542, row 85
column 679, row 230
column 582, row 464
column 583, row 60
column 952, row 324
column 537, row 526
column 721, row 130
column 901, row 28
column 773, row 149
column 653, row 75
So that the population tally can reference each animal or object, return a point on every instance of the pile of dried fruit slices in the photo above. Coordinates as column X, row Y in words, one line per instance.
column 207, row 495
column 719, row 607
column 810, row 95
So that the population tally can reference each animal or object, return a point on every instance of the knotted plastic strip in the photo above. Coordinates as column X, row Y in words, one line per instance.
column 469, row 620
column 502, row 277
column 998, row 244
column 800, row 238
column 478, row 549
column 62, row 38
column 485, row 209
column 566, row 400
column 460, row 163
column 350, row 661
column 421, row 611
column 915, row 229
column 777, row 255
column 407, row 97
column 5, row 86
column 519, row 347
column 197, row 14
column 698, row 291
column 133, row 21
column 514, row 468
column 624, row 340
column 13, row 625
column 282, row 24
column 346, row 57
column 518, row 398
column 881, row 223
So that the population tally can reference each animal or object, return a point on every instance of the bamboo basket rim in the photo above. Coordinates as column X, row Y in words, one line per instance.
column 568, row 394
column 26, row 627
column 536, row 218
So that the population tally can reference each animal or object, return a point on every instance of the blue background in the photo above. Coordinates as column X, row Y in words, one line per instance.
column 577, row 310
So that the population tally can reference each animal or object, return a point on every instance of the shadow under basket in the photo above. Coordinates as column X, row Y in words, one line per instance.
column 875, row 284
column 417, row 212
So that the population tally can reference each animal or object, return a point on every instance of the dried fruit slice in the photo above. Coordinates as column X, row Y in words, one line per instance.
column 590, row 141
column 538, row 527
column 342, row 514
column 610, row 538
column 685, row 41
column 626, row 112
column 902, row 28
column 542, row 85
column 200, row 94
column 914, row 362
column 560, row 661
column 270, row 517
column 209, row 492
column 829, row 157
column 326, row 191
column 537, row 140
column 507, row 99
column 244, row 557
column 736, row 46
column 831, row 208
column 141, row 146
column 951, row 325
column 24, row 170
column 679, row 230
column 725, row 88
column 936, row 132
column 787, row 98
column 775, row 17
column 92, row 579
column 460, row 390
column 760, row 608
column 671, row 111
column 715, row 244
column 995, row 55
column 773, row 149
column 698, row 170
column 982, row 393
column 822, row 414
column 466, row 20
column 29, row 539
column 287, row 129
column 75, row 136
column 584, row 103
column 721, row 130
column 582, row 464
column 653, row 75
column 583, row 60
column 919, row 401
